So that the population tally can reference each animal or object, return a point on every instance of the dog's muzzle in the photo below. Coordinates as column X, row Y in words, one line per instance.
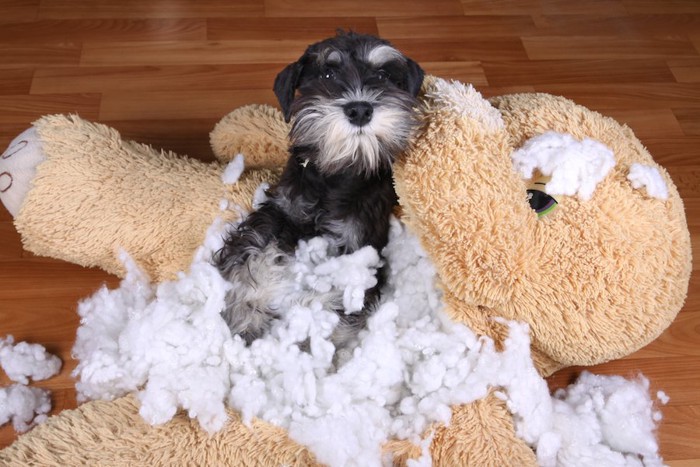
column 358, row 113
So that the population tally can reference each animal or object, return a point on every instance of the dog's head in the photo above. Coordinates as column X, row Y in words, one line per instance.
column 351, row 101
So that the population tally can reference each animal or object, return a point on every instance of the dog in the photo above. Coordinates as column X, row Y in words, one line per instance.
column 351, row 101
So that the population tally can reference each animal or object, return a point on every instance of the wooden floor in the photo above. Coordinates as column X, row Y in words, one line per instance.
column 164, row 72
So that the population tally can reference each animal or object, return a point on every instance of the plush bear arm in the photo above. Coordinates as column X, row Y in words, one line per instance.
column 258, row 132
column 465, row 202
column 96, row 194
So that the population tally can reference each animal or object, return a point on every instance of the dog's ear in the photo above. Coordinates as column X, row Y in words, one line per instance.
column 286, row 84
column 414, row 79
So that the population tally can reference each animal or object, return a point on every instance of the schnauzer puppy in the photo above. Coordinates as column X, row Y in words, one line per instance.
column 351, row 101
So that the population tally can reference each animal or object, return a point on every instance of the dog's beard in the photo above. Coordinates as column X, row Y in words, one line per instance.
column 321, row 123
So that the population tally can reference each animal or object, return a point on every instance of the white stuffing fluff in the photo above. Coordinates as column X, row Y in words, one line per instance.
column 24, row 406
column 233, row 170
column 602, row 421
column 575, row 167
column 24, row 361
column 646, row 176
column 464, row 101
column 168, row 343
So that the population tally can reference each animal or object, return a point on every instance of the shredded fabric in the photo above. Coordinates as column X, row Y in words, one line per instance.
column 646, row 176
column 575, row 167
column 24, row 361
column 168, row 343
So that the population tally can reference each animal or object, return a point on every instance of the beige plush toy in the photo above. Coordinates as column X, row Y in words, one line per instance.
column 531, row 208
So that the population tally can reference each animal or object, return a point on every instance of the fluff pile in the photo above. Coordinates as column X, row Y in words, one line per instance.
column 25, row 406
column 168, row 343
column 576, row 167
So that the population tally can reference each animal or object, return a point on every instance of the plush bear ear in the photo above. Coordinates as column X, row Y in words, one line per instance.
column 286, row 84
column 414, row 79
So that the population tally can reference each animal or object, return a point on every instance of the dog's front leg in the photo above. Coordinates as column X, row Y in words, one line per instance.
column 254, row 260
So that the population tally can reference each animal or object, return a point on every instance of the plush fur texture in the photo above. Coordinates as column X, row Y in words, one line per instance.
column 595, row 280
column 351, row 100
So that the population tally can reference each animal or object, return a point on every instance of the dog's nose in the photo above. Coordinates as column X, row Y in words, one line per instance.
column 359, row 113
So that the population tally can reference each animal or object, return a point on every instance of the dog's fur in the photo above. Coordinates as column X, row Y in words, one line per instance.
column 351, row 102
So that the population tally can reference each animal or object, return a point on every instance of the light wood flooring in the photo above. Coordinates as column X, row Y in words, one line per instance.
column 164, row 72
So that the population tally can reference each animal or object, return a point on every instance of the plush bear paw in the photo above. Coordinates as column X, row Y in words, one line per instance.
column 18, row 168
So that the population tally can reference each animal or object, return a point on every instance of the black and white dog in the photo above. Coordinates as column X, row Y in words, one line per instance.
column 351, row 100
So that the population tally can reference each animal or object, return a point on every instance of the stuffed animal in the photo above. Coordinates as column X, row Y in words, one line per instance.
column 531, row 208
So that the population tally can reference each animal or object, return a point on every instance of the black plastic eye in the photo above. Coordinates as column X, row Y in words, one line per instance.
column 382, row 75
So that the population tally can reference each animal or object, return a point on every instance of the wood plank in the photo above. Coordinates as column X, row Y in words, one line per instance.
column 509, row 72
column 692, row 210
column 36, row 278
column 455, row 27
column 684, row 463
column 628, row 95
column 19, row 10
column 99, row 79
column 179, row 105
column 185, row 137
column 679, row 151
column 602, row 47
column 466, row 72
column 104, row 29
column 685, row 70
column 678, row 431
column 78, row 9
column 677, row 340
column 152, row 53
column 689, row 120
column 593, row 23
column 536, row 7
column 648, row 122
column 30, row 55
column 687, row 180
column 306, row 29
column 15, row 81
column 26, row 108
column 461, row 50
column 330, row 8
column 12, row 248
column 666, row 6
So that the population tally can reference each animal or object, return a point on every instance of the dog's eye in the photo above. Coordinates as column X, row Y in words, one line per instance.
column 328, row 73
column 382, row 75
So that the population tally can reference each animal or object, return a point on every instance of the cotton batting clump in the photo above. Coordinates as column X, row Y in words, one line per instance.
column 599, row 420
column 24, row 361
column 24, row 406
column 606, row 420
column 410, row 365
column 645, row 176
column 168, row 342
column 353, row 274
column 575, row 167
